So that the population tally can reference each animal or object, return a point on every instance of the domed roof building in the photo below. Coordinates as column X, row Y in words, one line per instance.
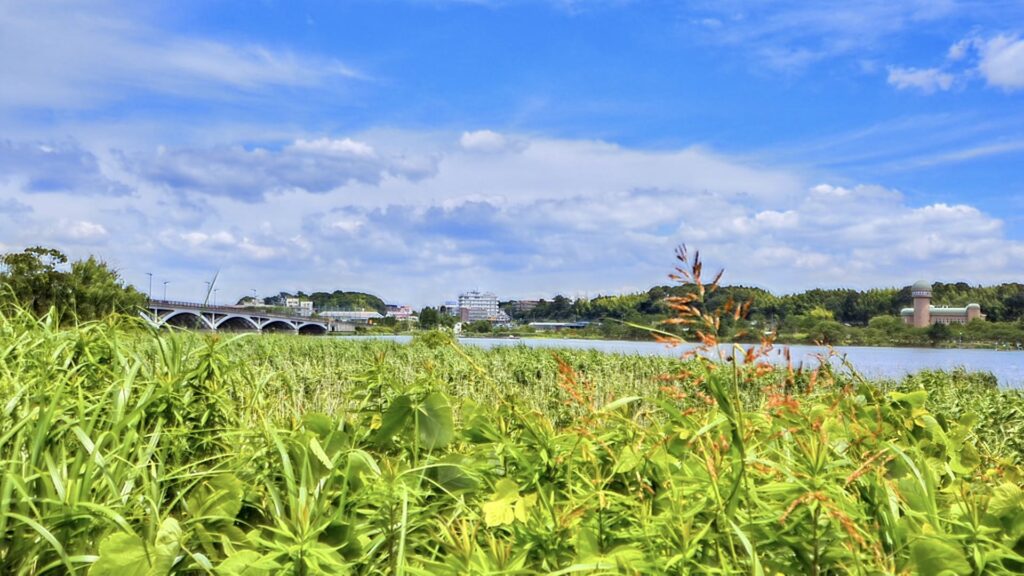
column 923, row 314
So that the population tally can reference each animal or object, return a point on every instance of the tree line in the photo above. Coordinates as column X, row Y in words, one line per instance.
column 1000, row 303
column 818, row 315
column 42, row 280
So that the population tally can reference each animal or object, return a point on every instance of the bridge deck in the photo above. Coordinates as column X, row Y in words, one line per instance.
column 176, row 305
column 216, row 317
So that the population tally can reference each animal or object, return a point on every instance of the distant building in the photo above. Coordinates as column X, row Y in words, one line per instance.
column 450, row 307
column 299, row 306
column 923, row 314
column 475, row 305
column 397, row 312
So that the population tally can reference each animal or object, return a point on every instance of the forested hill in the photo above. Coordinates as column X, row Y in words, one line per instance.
column 1003, row 302
column 337, row 300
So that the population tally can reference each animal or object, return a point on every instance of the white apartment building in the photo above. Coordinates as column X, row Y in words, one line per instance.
column 302, row 307
column 475, row 305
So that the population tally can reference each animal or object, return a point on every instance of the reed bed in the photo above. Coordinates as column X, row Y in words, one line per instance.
column 127, row 451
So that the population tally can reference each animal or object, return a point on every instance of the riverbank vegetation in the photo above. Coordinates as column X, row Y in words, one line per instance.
column 127, row 451
column 43, row 281
column 841, row 316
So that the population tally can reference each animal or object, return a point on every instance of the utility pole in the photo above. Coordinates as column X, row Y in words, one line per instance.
column 150, row 293
column 166, row 282
column 215, row 290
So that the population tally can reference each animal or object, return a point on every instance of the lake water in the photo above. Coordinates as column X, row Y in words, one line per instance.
column 872, row 362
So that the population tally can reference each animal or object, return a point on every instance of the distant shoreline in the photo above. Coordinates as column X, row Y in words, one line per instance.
column 567, row 335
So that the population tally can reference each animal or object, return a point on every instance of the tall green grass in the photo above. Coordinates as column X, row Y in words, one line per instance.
column 124, row 451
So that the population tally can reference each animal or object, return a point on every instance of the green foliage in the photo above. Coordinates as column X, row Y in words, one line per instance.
column 439, row 338
column 38, row 279
column 793, row 316
column 478, row 327
column 429, row 318
column 342, row 300
column 128, row 452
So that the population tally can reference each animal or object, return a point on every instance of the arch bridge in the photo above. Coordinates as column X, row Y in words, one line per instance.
column 226, row 318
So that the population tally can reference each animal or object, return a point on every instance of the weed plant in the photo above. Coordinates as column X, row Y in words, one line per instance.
column 130, row 452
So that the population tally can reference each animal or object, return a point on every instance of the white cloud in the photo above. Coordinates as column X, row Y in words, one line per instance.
column 343, row 147
column 75, row 55
column 959, row 50
column 84, row 230
column 546, row 216
column 483, row 141
column 927, row 80
column 1002, row 62
column 250, row 174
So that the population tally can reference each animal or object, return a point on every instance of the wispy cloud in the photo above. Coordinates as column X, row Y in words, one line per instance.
column 790, row 34
column 959, row 155
column 71, row 55
column 927, row 80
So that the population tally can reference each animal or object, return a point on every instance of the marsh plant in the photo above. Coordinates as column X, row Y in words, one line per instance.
column 128, row 451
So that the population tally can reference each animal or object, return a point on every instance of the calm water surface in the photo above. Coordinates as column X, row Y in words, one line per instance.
column 872, row 362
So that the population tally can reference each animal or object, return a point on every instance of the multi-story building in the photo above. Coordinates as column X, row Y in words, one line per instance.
column 402, row 312
column 450, row 307
column 923, row 314
column 475, row 305
column 300, row 306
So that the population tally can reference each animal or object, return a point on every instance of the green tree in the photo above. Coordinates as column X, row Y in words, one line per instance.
column 39, row 279
column 938, row 332
column 32, row 278
column 429, row 318
column 478, row 327
column 827, row 332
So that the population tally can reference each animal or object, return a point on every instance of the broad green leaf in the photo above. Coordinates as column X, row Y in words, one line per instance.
column 395, row 418
column 523, row 506
column 121, row 554
column 628, row 460
column 934, row 556
column 436, row 429
column 915, row 399
column 247, row 563
column 965, row 459
column 166, row 547
column 498, row 512
column 219, row 496
column 505, row 489
column 506, row 505
column 319, row 424
column 1006, row 499
column 453, row 473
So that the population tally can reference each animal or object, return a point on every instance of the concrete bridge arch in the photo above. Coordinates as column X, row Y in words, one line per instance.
column 202, row 317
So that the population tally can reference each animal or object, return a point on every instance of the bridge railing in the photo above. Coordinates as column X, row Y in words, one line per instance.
column 230, row 310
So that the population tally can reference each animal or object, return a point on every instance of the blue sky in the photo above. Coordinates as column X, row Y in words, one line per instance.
column 415, row 149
